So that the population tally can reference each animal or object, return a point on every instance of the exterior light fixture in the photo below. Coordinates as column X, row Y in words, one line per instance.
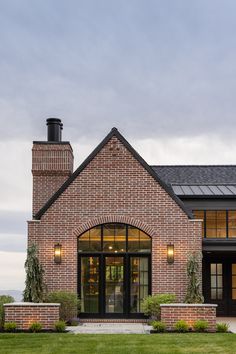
column 57, row 253
column 170, row 254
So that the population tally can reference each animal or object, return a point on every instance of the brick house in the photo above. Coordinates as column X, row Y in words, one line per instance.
column 117, row 229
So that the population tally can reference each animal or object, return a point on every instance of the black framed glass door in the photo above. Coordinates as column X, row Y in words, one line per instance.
column 219, row 284
column 113, row 286
column 114, row 270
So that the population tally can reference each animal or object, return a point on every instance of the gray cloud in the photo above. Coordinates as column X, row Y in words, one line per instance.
column 13, row 242
column 153, row 68
column 13, row 222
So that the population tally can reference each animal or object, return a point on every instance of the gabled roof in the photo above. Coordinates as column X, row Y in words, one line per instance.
column 150, row 170
column 197, row 174
column 200, row 181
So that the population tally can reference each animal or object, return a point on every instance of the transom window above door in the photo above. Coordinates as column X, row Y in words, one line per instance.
column 114, row 238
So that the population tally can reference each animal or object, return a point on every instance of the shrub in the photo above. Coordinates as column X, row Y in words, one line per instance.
column 200, row 325
column 74, row 322
column 35, row 327
column 60, row 326
column 10, row 327
column 34, row 284
column 159, row 326
column 222, row 327
column 4, row 299
column 70, row 304
column 181, row 326
column 151, row 304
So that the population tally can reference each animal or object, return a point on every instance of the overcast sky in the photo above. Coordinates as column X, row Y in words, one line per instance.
column 163, row 72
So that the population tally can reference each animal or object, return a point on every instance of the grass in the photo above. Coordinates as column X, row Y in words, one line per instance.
column 53, row 343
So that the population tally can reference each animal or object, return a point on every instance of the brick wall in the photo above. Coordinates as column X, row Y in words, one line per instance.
column 24, row 314
column 171, row 313
column 115, row 187
column 52, row 164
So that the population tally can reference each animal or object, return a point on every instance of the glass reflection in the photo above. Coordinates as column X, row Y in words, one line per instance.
column 139, row 282
column 90, row 284
column 114, row 284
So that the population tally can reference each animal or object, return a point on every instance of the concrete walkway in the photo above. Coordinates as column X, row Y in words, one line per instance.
column 230, row 320
column 131, row 328
column 111, row 328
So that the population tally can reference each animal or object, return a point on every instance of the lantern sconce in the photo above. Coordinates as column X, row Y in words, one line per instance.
column 170, row 254
column 57, row 253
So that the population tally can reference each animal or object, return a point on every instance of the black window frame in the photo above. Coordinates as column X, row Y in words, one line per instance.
column 227, row 224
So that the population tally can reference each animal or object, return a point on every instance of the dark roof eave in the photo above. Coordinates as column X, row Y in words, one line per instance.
column 113, row 132
column 200, row 196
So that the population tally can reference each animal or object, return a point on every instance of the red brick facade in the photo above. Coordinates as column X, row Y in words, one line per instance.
column 190, row 313
column 52, row 164
column 113, row 187
column 24, row 314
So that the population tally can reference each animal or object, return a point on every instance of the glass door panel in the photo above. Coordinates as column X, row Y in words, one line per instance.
column 233, row 273
column 139, row 282
column 90, row 284
column 114, row 284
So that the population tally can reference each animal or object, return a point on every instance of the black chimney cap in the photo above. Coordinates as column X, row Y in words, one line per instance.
column 54, row 129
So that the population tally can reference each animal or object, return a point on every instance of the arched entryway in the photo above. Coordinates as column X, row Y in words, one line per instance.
column 114, row 270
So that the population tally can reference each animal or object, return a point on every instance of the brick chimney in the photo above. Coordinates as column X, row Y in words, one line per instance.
column 52, row 164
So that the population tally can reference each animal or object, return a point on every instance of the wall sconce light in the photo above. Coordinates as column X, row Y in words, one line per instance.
column 57, row 253
column 170, row 254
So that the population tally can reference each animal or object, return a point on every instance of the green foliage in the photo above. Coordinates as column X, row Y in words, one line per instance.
column 60, row 326
column 4, row 299
column 159, row 326
column 181, row 326
column 194, row 295
column 200, row 325
column 35, row 327
column 10, row 327
column 222, row 327
column 151, row 304
column 70, row 304
column 34, row 284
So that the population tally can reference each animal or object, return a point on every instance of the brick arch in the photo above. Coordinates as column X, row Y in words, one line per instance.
column 114, row 219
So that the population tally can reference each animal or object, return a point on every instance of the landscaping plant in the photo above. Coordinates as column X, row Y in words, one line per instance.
column 35, row 327
column 10, row 327
column 193, row 290
column 60, row 326
column 159, row 326
column 34, row 284
column 151, row 304
column 200, row 326
column 222, row 327
column 70, row 304
column 4, row 299
column 181, row 326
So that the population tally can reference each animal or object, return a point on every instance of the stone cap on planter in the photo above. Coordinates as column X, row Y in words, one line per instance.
column 32, row 304
column 188, row 305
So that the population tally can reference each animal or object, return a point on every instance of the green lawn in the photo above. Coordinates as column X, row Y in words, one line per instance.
column 24, row 343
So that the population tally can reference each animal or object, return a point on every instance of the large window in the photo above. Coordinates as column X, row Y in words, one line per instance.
column 217, row 223
column 114, row 238
column 114, row 270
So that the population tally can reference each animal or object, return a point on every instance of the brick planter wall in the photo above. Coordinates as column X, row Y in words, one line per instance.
column 25, row 313
column 171, row 313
